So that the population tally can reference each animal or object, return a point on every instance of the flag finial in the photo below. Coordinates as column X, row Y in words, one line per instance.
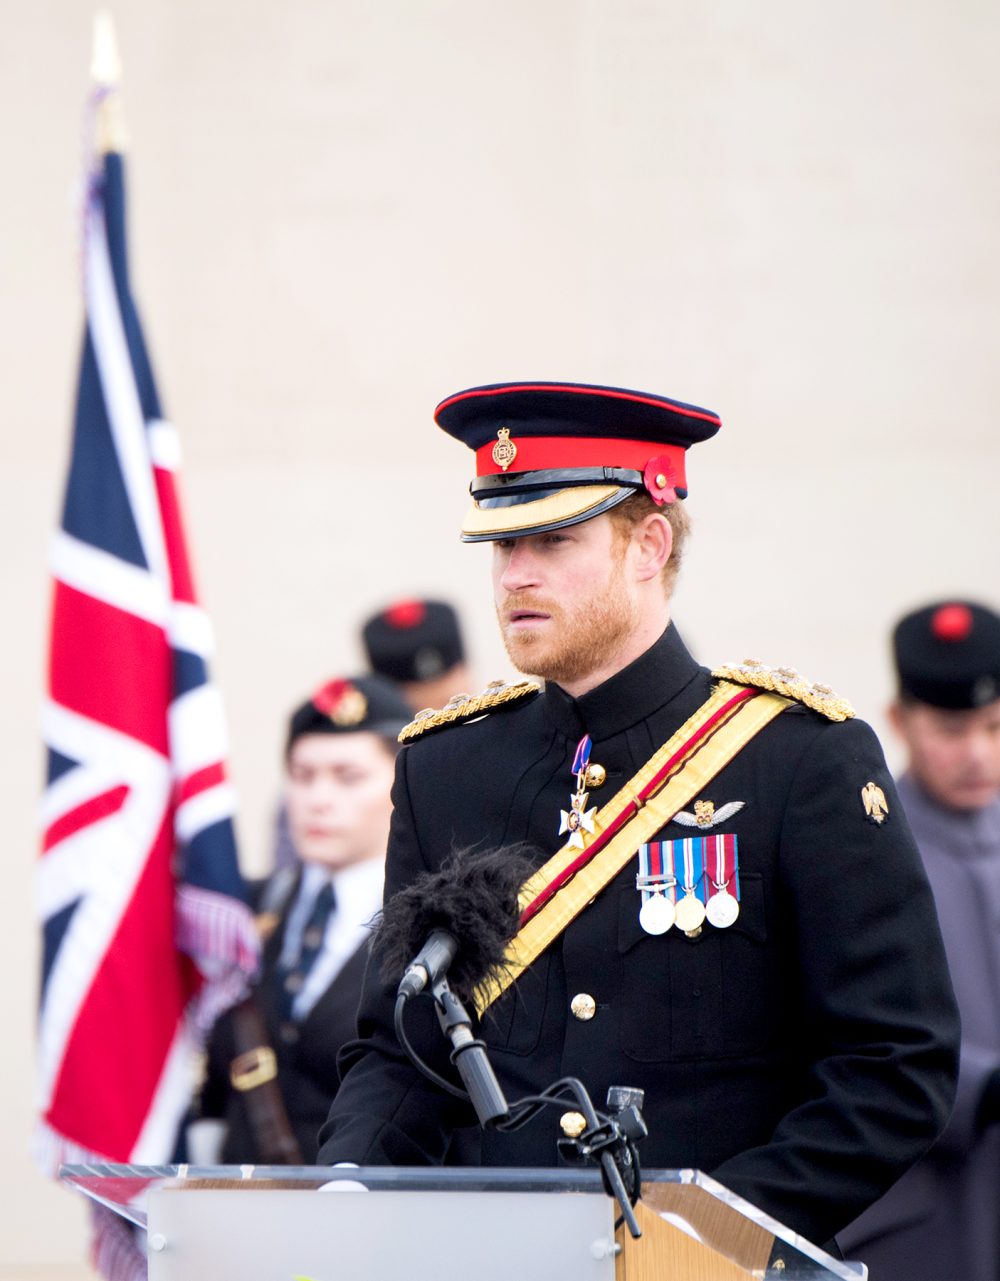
column 105, row 65
column 106, row 73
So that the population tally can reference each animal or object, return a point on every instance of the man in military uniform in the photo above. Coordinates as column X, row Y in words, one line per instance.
column 271, row 1062
column 942, row 1219
column 796, row 1038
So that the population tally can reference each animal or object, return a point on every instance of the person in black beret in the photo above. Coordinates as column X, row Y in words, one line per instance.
column 941, row 1219
column 315, row 919
column 727, row 909
column 418, row 644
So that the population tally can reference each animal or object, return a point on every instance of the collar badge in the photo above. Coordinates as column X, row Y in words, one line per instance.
column 873, row 799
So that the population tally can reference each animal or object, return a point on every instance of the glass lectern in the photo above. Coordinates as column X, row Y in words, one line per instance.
column 278, row 1223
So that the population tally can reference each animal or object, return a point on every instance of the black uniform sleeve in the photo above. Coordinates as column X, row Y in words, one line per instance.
column 385, row 1112
column 879, row 1030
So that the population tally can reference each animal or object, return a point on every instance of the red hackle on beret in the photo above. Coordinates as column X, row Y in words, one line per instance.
column 952, row 622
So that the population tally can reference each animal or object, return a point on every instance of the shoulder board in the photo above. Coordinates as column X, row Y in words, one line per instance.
column 467, row 707
column 787, row 681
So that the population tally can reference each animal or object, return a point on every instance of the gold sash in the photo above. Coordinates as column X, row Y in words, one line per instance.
column 702, row 747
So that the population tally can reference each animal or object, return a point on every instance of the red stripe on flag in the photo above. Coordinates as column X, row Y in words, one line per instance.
column 118, row 1047
column 110, row 666
column 181, row 577
column 200, row 781
column 91, row 811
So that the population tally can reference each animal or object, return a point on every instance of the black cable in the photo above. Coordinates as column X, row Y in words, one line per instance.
column 567, row 1089
column 415, row 1058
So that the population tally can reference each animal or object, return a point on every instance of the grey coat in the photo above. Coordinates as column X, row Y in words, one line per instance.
column 941, row 1221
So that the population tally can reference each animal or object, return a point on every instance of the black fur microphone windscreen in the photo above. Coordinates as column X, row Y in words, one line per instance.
column 474, row 896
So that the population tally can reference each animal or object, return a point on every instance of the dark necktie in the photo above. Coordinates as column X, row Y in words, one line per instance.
column 291, row 978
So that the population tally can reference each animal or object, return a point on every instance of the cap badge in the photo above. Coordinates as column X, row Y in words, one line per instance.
column 873, row 799
column 343, row 702
column 504, row 451
column 351, row 710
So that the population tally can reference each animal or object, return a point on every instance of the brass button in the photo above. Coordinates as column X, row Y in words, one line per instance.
column 572, row 1124
column 596, row 774
column 661, row 480
column 583, row 1006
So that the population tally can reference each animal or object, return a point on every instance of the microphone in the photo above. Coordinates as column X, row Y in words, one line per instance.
column 457, row 920
column 430, row 963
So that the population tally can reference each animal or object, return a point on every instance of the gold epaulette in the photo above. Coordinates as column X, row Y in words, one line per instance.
column 466, row 707
column 787, row 681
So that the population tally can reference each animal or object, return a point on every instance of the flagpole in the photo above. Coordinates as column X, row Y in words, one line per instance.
column 106, row 73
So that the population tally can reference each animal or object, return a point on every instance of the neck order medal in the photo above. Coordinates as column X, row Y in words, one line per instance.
column 578, row 820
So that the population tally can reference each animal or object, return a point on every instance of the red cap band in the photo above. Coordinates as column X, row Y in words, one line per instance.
column 539, row 453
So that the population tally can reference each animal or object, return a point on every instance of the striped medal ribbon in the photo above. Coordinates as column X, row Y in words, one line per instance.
column 723, row 867
column 656, row 881
column 690, row 913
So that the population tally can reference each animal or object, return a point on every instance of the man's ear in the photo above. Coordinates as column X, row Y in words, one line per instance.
column 895, row 714
column 653, row 540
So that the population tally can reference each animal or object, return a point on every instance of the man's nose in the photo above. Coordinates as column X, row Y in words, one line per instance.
column 321, row 796
column 980, row 750
column 521, row 570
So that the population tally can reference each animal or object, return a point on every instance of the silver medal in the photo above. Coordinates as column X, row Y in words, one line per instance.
column 656, row 915
column 722, row 910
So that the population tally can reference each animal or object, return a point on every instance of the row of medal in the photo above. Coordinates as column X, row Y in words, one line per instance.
column 688, row 882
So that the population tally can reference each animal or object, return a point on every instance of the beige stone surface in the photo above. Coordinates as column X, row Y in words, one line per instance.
column 47, row 1272
column 343, row 211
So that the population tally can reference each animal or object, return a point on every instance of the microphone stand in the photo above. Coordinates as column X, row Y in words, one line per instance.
column 470, row 1058
column 609, row 1140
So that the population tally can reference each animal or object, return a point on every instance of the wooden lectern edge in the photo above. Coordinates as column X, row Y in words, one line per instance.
column 732, row 1247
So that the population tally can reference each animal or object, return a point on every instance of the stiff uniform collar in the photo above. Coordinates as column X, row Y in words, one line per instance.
column 630, row 696
column 960, row 832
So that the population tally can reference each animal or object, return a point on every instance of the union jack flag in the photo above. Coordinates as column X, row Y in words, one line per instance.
column 147, row 935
